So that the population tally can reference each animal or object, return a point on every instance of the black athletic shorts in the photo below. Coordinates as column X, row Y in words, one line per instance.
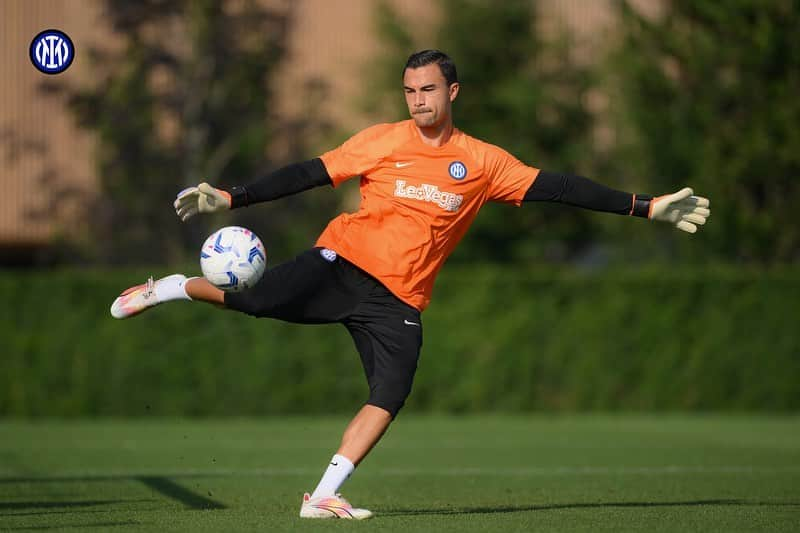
column 320, row 287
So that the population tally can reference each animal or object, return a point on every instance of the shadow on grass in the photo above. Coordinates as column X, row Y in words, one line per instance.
column 103, row 525
column 82, row 511
column 560, row 506
column 161, row 484
column 17, row 506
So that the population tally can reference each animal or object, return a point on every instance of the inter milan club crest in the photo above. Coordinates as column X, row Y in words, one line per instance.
column 52, row 51
column 458, row 171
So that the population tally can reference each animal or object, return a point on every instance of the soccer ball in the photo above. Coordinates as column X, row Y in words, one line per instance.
column 233, row 259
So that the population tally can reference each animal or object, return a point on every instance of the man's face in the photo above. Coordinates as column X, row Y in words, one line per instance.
column 428, row 97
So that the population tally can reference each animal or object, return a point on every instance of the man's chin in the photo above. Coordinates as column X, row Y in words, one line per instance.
column 424, row 121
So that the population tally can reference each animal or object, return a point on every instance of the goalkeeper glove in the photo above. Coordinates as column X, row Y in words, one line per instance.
column 201, row 199
column 681, row 209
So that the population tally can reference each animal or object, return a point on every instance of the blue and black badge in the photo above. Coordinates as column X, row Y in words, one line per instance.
column 458, row 170
column 52, row 51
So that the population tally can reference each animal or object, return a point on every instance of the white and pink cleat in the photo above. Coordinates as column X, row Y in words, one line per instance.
column 331, row 507
column 141, row 297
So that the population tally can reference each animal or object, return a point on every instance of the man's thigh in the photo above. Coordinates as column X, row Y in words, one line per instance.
column 308, row 289
column 388, row 336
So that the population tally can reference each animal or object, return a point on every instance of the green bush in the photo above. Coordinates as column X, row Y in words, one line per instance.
column 495, row 339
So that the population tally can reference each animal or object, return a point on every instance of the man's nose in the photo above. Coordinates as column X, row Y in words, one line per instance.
column 419, row 100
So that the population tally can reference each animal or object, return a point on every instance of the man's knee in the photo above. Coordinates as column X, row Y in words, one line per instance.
column 248, row 302
column 390, row 396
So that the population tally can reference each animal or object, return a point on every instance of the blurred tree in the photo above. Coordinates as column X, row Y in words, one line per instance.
column 710, row 91
column 519, row 91
column 184, row 97
column 383, row 97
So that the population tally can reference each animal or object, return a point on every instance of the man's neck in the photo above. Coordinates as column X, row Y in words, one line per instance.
column 436, row 136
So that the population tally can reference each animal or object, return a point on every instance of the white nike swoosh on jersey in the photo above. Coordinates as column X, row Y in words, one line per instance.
column 401, row 164
column 408, row 323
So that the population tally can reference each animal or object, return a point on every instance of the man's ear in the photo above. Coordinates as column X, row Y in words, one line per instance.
column 453, row 91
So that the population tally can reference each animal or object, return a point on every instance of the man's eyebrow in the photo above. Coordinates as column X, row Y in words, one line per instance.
column 428, row 86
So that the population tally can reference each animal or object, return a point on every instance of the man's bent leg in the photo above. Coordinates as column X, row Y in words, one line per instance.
column 389, row 350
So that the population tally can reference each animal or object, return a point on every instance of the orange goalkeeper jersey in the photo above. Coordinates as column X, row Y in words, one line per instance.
column 417, row 201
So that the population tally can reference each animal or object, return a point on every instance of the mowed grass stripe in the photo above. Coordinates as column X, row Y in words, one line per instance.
column 522, row 471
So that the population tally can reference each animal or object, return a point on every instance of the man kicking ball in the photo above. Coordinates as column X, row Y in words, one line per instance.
column 422, row 183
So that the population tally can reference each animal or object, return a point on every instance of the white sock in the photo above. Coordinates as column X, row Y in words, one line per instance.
column 336, row 474
column 172, row 288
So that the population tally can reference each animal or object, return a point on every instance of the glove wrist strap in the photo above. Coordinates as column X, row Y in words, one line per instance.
column 641, row 205
column 239, row 197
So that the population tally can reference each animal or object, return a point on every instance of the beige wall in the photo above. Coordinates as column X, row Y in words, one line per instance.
column 331, row 39
column 38, row 141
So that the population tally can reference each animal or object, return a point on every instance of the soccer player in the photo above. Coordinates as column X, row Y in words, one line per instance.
column 422, row 183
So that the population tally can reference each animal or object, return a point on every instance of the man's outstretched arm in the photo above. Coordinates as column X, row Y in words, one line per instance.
column 681, row 209
column 285, row 181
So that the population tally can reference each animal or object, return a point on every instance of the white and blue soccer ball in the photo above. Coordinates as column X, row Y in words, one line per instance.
column 233, row 259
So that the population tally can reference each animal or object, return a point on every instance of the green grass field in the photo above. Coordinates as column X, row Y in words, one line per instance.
column 487, row 473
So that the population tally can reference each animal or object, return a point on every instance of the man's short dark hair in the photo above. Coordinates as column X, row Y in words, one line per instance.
column 428, row 57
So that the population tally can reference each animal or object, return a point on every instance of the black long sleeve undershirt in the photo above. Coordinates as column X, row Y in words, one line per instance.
column 583, row 192
column 285, row 181
column 548, row 187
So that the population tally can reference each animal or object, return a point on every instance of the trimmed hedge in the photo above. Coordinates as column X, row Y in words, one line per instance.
column 495, row 339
